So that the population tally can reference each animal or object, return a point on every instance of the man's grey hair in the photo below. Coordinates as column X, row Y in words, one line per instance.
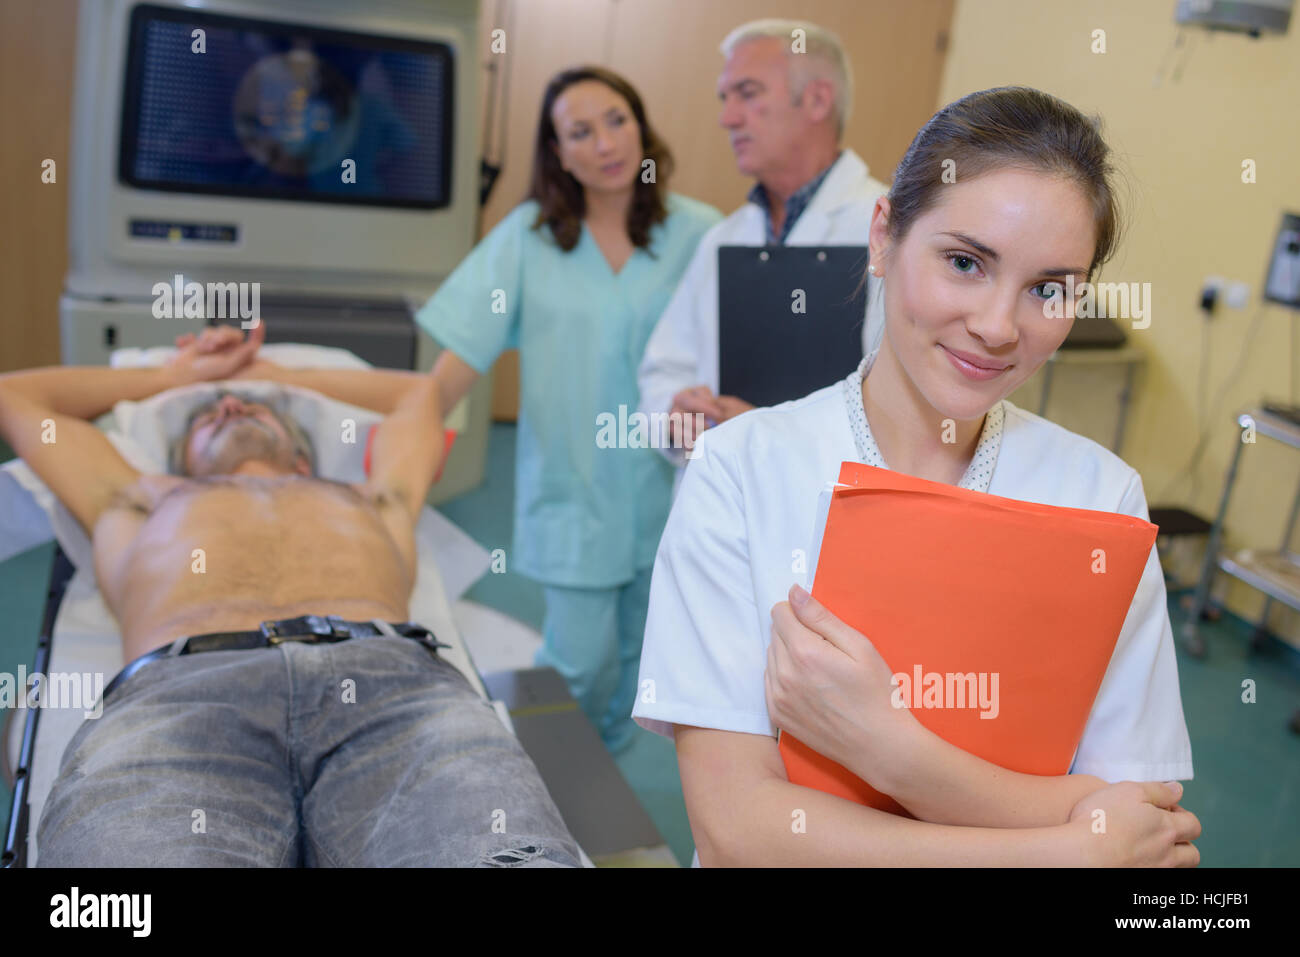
column 298, row 437
column 823, row 57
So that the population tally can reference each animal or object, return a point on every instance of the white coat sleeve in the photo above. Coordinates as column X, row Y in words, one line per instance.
column 705, row 648
column 1136, row 730
column 671, row 359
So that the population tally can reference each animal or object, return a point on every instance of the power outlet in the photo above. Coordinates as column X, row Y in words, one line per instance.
column 1237, row 295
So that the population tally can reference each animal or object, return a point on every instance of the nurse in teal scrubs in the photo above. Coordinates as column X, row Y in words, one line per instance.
column 576, row 278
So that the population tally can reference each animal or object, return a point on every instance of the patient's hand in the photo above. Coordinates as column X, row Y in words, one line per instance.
column 828, row 686
column 1137, row 824
column 218, row 352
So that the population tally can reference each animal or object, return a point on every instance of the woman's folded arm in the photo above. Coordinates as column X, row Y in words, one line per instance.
column 828, row 685
column 745, row 813
column 943, row 784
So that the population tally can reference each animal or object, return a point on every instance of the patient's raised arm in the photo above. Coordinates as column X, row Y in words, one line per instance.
column 87, row 392
column 43, row 415
column 380, row 390
column 71, row 456
column 409, row 446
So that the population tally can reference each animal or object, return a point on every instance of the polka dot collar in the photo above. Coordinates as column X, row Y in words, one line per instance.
column 979, row 473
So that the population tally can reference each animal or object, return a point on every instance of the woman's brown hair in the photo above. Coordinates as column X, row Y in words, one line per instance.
column 1009, row 126
column 561, row 197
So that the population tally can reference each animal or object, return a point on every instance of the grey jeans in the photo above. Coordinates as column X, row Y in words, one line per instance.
column 366, row 752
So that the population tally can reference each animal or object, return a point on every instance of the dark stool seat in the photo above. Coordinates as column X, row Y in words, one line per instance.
column 1179, row 521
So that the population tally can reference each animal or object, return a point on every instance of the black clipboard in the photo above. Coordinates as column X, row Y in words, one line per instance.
column 769, row 351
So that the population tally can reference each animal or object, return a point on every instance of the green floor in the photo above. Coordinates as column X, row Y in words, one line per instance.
column 1247, row 786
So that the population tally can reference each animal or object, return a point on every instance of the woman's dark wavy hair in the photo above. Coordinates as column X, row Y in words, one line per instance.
column 560, row 196
column 1009, row 126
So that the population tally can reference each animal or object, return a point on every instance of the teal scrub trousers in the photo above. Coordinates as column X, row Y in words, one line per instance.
column 592, row 636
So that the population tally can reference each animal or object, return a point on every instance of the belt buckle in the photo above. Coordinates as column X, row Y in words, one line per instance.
column 317, row 628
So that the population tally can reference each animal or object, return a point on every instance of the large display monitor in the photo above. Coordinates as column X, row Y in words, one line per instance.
column 233, row 106
column 320, row 148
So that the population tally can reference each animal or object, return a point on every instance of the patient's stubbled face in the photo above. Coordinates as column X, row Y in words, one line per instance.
column 941, row 292
column 233, row 432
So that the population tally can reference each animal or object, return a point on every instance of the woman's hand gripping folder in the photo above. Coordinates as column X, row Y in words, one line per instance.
column 997, row 617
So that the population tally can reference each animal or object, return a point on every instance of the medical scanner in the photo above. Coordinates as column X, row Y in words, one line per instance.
column 314, row 159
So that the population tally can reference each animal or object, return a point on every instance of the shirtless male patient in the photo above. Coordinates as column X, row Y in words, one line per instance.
column 303, row 742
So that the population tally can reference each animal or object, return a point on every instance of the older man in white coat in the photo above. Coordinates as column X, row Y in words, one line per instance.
column 786, row 92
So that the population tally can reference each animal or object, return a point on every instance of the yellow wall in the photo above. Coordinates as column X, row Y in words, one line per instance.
column 1182, row 108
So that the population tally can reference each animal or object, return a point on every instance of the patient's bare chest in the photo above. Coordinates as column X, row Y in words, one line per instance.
column 272, row 543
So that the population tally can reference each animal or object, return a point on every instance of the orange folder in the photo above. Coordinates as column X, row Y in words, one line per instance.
column 980, row 605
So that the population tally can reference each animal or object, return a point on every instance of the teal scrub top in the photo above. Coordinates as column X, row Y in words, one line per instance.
column 585, row 516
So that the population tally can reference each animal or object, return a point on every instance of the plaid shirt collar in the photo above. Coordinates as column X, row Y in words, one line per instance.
column 794, row 206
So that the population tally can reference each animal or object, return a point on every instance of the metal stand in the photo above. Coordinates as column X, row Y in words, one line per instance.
column 1126, row 356
column 1274, row 573
column 15, row 846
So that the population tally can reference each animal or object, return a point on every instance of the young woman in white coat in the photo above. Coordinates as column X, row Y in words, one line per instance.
column 970, row 266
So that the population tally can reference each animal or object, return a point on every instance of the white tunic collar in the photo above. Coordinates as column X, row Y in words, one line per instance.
column 979, row 473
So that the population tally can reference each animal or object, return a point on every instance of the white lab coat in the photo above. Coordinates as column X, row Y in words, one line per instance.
column 683, row 350
column 749, row 500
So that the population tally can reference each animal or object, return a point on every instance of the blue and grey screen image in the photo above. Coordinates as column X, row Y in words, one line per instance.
column 282, row 111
